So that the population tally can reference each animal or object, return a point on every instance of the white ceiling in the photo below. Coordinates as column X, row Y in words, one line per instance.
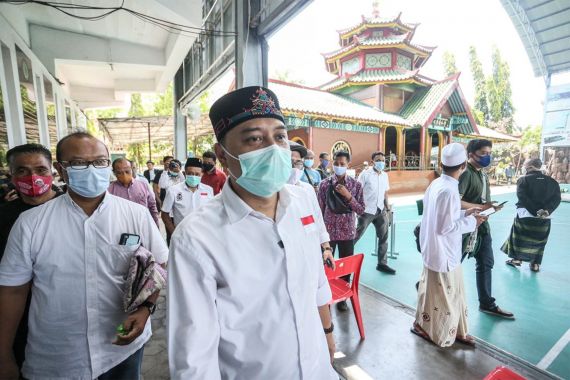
column 100, row 61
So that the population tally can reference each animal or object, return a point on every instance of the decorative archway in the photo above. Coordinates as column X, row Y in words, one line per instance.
column 391, row 141
column 340, row 145
column 412, row 148
column 299, row 140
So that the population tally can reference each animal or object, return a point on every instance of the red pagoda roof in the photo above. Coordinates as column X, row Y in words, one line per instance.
column 377, row 21
column 376, row 76
column 387, row 41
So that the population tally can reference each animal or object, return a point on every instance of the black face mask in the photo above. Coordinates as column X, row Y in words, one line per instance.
column 208, row 167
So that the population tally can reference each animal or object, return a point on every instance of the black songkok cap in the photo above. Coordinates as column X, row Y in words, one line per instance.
column 193, row 162
column 242, row 105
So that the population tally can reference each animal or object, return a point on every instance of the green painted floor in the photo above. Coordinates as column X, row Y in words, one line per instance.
column 540, row 301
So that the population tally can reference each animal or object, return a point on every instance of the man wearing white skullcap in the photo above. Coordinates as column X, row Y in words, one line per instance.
column 441, row 315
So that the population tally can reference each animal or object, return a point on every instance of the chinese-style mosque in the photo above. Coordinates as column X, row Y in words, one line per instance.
column 379, row 100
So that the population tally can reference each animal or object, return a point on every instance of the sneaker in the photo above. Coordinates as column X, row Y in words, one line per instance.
column 497, row 312
column 385, row 269
column 342, row 306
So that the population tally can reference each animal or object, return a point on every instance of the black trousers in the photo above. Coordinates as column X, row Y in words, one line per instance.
column 345, row 249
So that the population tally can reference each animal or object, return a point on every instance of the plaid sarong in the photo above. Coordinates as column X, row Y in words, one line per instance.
column 527, row 239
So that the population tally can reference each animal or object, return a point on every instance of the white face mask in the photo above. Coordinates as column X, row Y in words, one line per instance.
column 339, row 170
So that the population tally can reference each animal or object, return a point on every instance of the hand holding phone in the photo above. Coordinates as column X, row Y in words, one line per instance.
column 129, row 239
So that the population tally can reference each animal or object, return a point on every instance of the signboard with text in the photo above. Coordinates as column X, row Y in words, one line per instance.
column 298, row 123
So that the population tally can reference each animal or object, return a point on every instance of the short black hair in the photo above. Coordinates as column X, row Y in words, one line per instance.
column 322, row 155
column 451, row 169
column 342, row 153
column 167, row 158
column 121, row 159
column 209, row 154
column 75, row 135
column 27, row 149
column 476, row 144
column 377, row 154
column 150, row 162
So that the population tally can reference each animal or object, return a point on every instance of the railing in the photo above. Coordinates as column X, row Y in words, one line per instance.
column 403, row 163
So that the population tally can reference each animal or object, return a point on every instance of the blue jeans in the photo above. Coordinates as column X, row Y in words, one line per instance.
column 129, row 369
column 483, row 272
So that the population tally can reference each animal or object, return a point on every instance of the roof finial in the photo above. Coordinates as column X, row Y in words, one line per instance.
column 375, row 8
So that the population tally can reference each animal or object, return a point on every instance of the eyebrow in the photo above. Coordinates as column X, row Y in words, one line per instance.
column 250, row 129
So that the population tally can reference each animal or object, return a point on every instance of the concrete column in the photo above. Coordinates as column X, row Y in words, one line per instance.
column 41, row 110
column 381, row 139
column 251, row 49
column 423, row 140
column 11, row 96
column 180, row 132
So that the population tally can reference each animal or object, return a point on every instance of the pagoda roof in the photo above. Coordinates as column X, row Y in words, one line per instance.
column 368, row 22
column 493, row 135
column 301, row 99
column 402, row 39
column 374, row 76
column 426, row 103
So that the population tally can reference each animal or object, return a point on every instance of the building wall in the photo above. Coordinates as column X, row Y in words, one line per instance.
column 15, row 129
column 361, row 144
column 301, row 134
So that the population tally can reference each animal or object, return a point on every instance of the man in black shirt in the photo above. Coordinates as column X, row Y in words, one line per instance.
column 31, row 175
column 538, row 196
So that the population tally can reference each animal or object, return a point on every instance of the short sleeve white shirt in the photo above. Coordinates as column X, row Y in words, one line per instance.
column 245, row 306
column 181, row 201
column 165, row 180
column 78, row 269
column 374, row 187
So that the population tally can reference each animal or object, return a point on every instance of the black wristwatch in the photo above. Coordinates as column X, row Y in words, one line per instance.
column 150, row 306
column 330, row 329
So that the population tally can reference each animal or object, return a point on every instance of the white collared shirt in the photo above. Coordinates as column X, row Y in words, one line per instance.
column 324, row 235
column 77, row 269
column 165, row 180
column 443, row 224
column 239, row 305
column 374, row 187
column 181, row 201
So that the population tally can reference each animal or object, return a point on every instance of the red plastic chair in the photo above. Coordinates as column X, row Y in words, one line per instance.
column 342, row 290
column 503, row 373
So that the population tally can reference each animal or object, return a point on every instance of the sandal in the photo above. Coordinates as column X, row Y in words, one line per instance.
column 417, row 330
column 514, row 263
column 467, row 339
column 535, row 267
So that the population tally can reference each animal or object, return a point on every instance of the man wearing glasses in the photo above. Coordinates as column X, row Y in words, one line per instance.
column 70, row 248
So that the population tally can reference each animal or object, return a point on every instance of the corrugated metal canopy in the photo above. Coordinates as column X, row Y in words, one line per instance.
column 544, row 27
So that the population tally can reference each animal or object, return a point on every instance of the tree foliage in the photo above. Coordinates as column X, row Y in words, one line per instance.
column 499, row 92
column 480, row 107
column 136, row 109
column 449, row 65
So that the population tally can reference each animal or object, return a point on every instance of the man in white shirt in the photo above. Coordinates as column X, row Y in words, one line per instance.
column 185, row 197
column 253, row 304
column 70, row 248
column 375, row 184
column 441, row 315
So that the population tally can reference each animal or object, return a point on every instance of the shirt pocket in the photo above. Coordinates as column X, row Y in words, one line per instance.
column 118, row 258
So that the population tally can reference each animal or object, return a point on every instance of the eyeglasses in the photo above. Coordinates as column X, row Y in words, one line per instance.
column 100, row 163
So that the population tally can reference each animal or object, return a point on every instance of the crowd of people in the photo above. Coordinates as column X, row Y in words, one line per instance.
column 245, row 250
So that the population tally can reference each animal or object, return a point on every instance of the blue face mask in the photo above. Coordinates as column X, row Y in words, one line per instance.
column 309, row 163
column 265, row 171
column 90, row 182
column 325, row 163
column 172, row 174
column 193, row 180
column 483, row 161
column 339, row 170
column 379, row 165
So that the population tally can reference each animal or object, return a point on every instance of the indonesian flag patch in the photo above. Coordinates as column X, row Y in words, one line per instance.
column 307, row 220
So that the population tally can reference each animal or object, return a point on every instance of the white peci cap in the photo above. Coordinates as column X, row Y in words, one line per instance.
column 453, row 154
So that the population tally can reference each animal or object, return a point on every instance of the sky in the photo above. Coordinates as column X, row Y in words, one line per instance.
column 451, row 25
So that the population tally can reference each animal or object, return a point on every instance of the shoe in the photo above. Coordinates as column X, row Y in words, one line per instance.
column 342, row 306
column 514, row 263
column 417, row 330
column 385, row 268
column 467, row 339
column 497, row 312
column 535, row 267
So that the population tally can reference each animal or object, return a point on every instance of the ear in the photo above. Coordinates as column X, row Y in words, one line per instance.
column 60, row 170
column 221, row 155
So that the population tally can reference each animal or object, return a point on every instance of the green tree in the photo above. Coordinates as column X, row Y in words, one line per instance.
column 449, row 65
column 165, row 103
column 499, row 92
column 481, row 106
column 136, row 109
